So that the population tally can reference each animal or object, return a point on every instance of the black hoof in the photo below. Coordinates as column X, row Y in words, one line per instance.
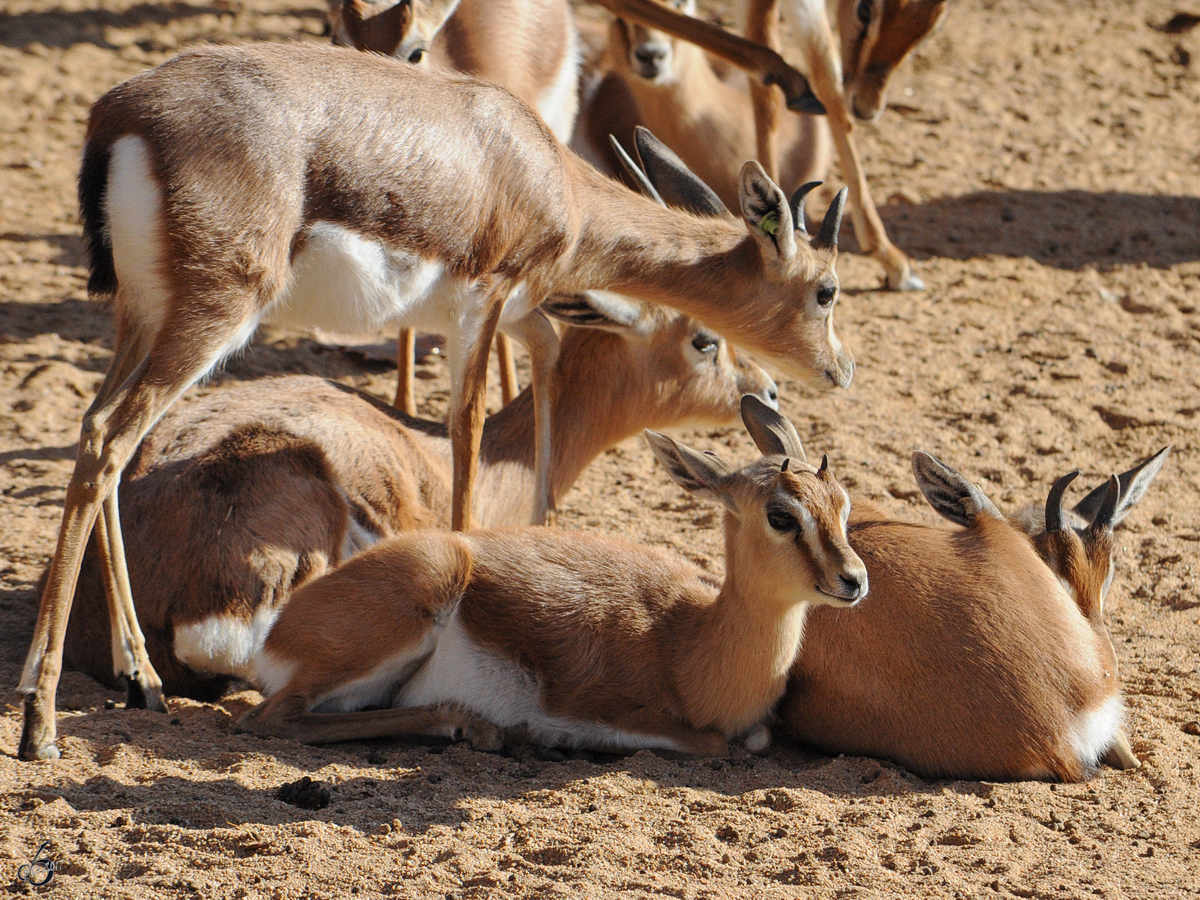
column 137, row 697
column 807, row 103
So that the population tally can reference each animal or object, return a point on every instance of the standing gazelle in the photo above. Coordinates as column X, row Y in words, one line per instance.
column 526, row 46
column 326, row 187
column 570, row 639
column 982, row 652
column 235, row 500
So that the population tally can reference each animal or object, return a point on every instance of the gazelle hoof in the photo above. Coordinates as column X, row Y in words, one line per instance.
column 483, row 736
column 904, row 281
column 37, row 741
column 139, row 696
column 758, row 740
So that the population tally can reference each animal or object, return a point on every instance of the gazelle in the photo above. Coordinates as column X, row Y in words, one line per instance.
column 527, row 46
column 570, row 639
column 235, row 500
column 982, row 652
column 876, row 35
column 319, row 186
column 669, row 86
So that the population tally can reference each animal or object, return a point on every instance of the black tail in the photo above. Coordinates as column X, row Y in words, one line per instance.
column 93, row 191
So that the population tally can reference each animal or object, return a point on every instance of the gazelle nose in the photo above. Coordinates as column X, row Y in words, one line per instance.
column 853, row 586
column 650, row 53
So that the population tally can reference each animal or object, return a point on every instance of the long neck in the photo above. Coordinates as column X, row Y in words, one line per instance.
column 747, row 641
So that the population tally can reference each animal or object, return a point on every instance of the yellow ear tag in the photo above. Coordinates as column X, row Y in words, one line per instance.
column 770, row 223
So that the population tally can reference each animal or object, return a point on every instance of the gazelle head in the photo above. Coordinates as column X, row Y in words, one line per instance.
column 403, row 30
column 672, row 360
column 799, row 271
column 876, row 36
column 786, row 520
column 650, row 53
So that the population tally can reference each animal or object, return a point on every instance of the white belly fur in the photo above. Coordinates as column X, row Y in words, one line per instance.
column 1095, row 730
column 503, row 693
column 224, row 645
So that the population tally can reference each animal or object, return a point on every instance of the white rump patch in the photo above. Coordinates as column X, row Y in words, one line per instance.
column 224, row 645
column 134, row 222
column 559, row 103
column 505, row 694
column 1094, row 731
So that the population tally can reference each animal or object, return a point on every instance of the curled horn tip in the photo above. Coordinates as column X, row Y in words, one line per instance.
column 1054, row 506
column 797, row 204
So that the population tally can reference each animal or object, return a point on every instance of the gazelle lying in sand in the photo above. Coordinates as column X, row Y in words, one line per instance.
column 319, row 186
column 669, row 86
column 876, row 36
column 982, row 652
column 285, row 478
column 527, row 46
column 570, row 639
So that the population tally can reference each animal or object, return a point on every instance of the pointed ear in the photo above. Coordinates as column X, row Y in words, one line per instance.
column 772, row 434
column 439, row 12
column 675, row 182
column 374, row 28
column 949, row 493
column 700, row 473
column 634, row 171
column 596, row 309
column 1133, row 487
column 767, row 213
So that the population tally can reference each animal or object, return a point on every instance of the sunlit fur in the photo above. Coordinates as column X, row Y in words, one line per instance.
column 237, row 499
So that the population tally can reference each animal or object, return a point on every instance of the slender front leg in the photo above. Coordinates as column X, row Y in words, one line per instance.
column 468, row 387
column 406, row 397
column 285, row 716
column 762, row 27
column 541, row 340
column 510, row 385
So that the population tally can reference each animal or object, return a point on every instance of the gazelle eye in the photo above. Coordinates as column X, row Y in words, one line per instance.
column 864, row 12
column 705, row 342
column 782, row 521
column 416, row 56
column 826, row 294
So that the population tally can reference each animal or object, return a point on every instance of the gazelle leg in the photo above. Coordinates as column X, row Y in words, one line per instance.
column 468, row 387
column 1120, row 755
column 826, row 79
column 510, row 385
column 541, row 340
column 284, row 716
column 112, row 429
column 762, row 27
column 406, row 397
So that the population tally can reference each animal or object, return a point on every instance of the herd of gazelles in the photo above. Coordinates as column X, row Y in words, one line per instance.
column 283, row 532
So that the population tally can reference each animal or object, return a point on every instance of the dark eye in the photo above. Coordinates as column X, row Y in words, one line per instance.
column 705, row 343
column 416, row 56
column 782, row 521
column 864, row 12
column 826, row 294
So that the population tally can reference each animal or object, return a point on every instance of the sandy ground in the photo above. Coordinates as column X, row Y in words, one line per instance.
column 1041, row 161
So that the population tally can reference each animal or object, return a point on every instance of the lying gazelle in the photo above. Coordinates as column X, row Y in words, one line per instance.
column 982, row 653
column 570, row 639
column 317, row 186
column 527, row 46
column 669, row 86
column 285, row 478
column 876, row 36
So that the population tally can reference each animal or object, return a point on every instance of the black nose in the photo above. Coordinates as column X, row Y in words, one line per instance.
column 650, row 53
column 849, row 585
column 773, row 394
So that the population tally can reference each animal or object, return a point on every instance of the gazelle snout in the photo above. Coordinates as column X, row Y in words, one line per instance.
column 845, row 581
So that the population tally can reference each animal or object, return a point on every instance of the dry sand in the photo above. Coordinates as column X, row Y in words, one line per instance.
column 1041, row 161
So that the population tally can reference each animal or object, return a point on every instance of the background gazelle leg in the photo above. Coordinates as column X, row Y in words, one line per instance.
column 541, row 340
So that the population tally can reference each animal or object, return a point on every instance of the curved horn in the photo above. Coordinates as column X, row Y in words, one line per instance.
column 1054, row 507
column 634, row 171
column 827, row 237
column 797, row 204
column 1108, row 508
column 824, row 463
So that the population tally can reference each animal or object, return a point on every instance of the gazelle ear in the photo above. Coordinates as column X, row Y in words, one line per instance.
column 376, row 28
column 439, row 12
column 949, row 493
column 701, row 473
column 1133, row 487
column 634, row 171
column 676, row 183
column 772, row 434
column 767, row 213
column 596, row 309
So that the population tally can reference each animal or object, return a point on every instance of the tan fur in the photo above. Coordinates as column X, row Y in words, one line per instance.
column 606, row 632
column 249, row 156
column 273, row 473
column 969, row 659
column 707, row 120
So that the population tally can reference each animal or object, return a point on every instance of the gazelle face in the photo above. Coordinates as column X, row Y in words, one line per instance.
column 403, row 30
column 799, row 515
column 876, row 36
column 652, row 52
